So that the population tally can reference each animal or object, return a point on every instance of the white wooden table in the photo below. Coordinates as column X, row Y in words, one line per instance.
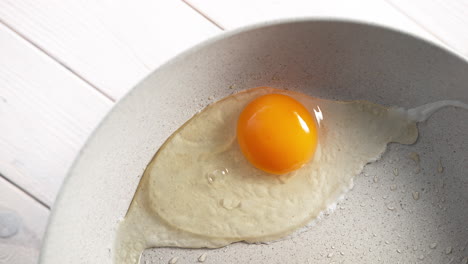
column 64, row 63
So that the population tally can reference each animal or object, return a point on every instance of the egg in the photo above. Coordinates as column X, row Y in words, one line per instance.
column 255, row 166
column 276, row 133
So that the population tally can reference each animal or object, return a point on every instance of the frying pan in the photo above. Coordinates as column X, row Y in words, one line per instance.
column 399, row 211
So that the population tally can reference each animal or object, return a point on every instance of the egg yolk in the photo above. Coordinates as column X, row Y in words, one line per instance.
column 276, row 133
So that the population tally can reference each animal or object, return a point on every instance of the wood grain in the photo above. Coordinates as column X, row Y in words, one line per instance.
column 111, row 44
column 25, row 220
column 233, row 14
column 46, row 114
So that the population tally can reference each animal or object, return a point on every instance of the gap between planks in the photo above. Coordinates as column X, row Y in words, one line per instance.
column 5, row 175
column 56, row 59
column 204, row 15
column 60, row 62
column 25, row 192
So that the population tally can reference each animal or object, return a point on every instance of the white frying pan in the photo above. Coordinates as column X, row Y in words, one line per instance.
column 379, row 221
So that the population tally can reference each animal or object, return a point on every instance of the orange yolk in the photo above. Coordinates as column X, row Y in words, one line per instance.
column 276, row 133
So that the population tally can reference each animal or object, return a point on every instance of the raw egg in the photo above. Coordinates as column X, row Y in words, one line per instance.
column 255, row 166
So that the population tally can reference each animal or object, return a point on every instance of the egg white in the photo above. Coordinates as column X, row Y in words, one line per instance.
column 200, row 191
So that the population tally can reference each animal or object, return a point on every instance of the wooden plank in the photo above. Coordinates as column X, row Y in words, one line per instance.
column 447, row 20
column 112, row 44
column 22, row 224
column 46, row 114
column 233, row 14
